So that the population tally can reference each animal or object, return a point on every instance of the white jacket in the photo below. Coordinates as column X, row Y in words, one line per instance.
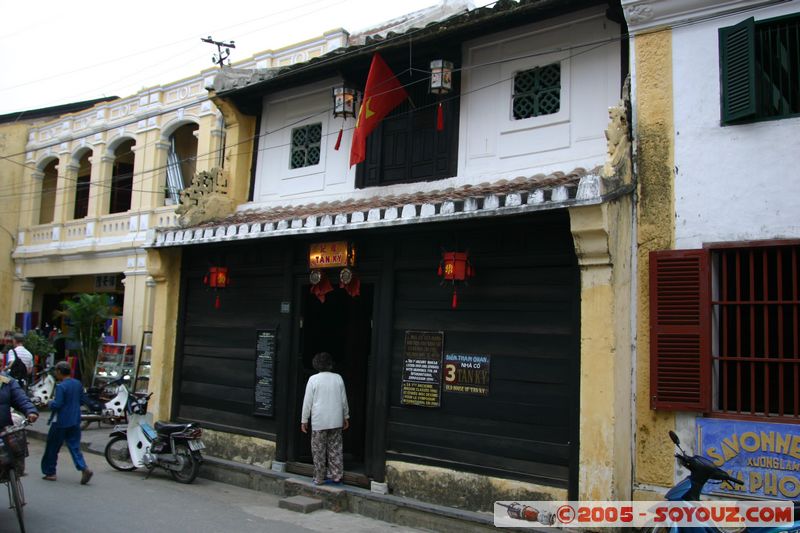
column 325, row 402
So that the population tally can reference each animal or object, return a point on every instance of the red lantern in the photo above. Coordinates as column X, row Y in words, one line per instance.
column 216, row 278
column 455, row 267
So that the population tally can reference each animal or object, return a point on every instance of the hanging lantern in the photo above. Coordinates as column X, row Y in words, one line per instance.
column 344, row 102
column 216, row 278
column 441, row 84
column 455, row 267
column 441, row 76
column 344, row 105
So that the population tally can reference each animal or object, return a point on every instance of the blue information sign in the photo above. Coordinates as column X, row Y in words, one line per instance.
column 765, row 456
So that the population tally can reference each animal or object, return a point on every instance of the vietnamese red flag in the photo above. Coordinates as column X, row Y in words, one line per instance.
column 383, row 93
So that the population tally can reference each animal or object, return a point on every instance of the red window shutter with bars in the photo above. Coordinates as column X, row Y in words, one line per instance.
column 680, row 330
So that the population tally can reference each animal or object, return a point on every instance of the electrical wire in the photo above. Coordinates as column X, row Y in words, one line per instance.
column 213, row 153
column 360, row 50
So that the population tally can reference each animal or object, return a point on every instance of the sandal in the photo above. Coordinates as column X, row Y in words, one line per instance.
column 315, row 482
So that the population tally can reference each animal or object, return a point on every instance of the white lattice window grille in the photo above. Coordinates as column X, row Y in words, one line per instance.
column 537, row 92
column 306, row 146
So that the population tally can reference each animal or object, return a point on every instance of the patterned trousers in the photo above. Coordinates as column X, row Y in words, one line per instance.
column 326, row 444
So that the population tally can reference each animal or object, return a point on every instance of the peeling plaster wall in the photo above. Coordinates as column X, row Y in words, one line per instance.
column 732, row 183
column 462, row 490
column 655, row 231
column 239, row 448
column 12, row 141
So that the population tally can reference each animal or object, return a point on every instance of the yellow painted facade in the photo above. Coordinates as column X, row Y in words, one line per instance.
column 656, row 206
column 13, row 137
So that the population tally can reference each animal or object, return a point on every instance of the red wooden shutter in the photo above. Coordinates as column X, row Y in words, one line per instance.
column 680, row 348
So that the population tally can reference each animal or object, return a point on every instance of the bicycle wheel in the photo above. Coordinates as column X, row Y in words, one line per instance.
column 17, row 496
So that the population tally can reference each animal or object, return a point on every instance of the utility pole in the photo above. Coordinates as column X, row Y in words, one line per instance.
column 222, row 54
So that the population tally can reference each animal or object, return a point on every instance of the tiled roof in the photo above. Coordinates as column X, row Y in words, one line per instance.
column 490, row 17
column 503, row 197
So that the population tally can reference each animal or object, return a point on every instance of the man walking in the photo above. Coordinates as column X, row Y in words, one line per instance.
column 325, row 402
column 66, row 407
column 19, row 361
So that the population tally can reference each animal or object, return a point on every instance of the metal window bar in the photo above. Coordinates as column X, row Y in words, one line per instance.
column 174, row 173
column 759, row 332
column 778, row 56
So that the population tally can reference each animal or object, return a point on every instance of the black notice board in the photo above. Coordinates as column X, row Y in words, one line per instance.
column 422, row 369
column 265, row 373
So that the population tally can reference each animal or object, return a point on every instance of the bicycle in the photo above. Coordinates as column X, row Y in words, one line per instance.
column 13, row 449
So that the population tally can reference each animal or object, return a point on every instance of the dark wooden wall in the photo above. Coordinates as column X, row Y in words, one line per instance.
column 522, row 309
column 216, row 350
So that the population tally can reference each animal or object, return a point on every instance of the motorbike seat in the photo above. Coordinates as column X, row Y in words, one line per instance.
column 169, row 429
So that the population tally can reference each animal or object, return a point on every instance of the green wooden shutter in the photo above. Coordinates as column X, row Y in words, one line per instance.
column 737, row 56
column 680, row 330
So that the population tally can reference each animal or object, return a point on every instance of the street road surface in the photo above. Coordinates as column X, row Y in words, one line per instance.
column 125, row 502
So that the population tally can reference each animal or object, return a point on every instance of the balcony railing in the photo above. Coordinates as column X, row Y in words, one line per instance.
column 122, row 230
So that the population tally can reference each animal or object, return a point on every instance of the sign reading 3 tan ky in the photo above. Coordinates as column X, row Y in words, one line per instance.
column 336, row 254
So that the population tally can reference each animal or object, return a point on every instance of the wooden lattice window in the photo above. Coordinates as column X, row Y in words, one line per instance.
column 537, row 92
column 306, row 146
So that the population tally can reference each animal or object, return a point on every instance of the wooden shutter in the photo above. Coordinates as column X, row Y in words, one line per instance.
column 680, row 348
column 737, row 57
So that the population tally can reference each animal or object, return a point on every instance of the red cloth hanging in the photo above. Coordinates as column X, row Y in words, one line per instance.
column 439, row 118
column 322, row 288
column 339, row 140
column 217, row 303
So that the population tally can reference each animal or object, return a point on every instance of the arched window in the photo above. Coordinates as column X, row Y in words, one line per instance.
column 47, row 201
column 122, row 178
column 82, row 187
column 181, row 161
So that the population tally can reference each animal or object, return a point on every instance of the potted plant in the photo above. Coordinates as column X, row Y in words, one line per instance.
column 86, row 315
column 38, row 345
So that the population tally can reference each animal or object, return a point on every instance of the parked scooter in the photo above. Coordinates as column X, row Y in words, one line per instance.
column 100, row 408
column 43, row 389
column 701, row 471
column 174, row 447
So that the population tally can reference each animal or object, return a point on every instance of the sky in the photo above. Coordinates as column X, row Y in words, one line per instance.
column 57, row 52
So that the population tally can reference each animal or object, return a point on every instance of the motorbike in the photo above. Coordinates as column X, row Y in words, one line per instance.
column 105, row 405
column 702, row 471
column 43, row 389
column 173, row 447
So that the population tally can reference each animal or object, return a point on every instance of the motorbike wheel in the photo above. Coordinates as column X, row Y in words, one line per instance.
column 191, row 466
column 118, row 455
column 15, row 494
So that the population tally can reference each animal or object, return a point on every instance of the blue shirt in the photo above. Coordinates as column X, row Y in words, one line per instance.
column 12, row 395
column 67, row 405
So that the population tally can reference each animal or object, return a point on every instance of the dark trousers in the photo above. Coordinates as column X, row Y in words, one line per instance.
column 55, row 438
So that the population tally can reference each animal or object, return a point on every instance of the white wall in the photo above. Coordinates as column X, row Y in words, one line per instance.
column 492, row 145
column 732, row 183
column 492, row 142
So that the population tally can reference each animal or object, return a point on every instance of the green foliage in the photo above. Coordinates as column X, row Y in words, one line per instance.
column 38, row 344
column 86, row 315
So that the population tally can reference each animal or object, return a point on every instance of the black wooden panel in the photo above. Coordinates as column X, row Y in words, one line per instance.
column 216, row 375
column 522, row 310
column 227, row 421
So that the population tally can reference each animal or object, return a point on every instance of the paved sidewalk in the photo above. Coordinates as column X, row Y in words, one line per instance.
column 384, row 507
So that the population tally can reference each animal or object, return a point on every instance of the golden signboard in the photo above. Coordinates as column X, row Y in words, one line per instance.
column 329, row 255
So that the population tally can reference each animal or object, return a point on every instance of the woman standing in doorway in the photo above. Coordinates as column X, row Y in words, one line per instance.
column 325, row 402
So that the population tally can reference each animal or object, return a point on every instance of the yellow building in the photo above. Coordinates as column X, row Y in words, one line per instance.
column 717, row 237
